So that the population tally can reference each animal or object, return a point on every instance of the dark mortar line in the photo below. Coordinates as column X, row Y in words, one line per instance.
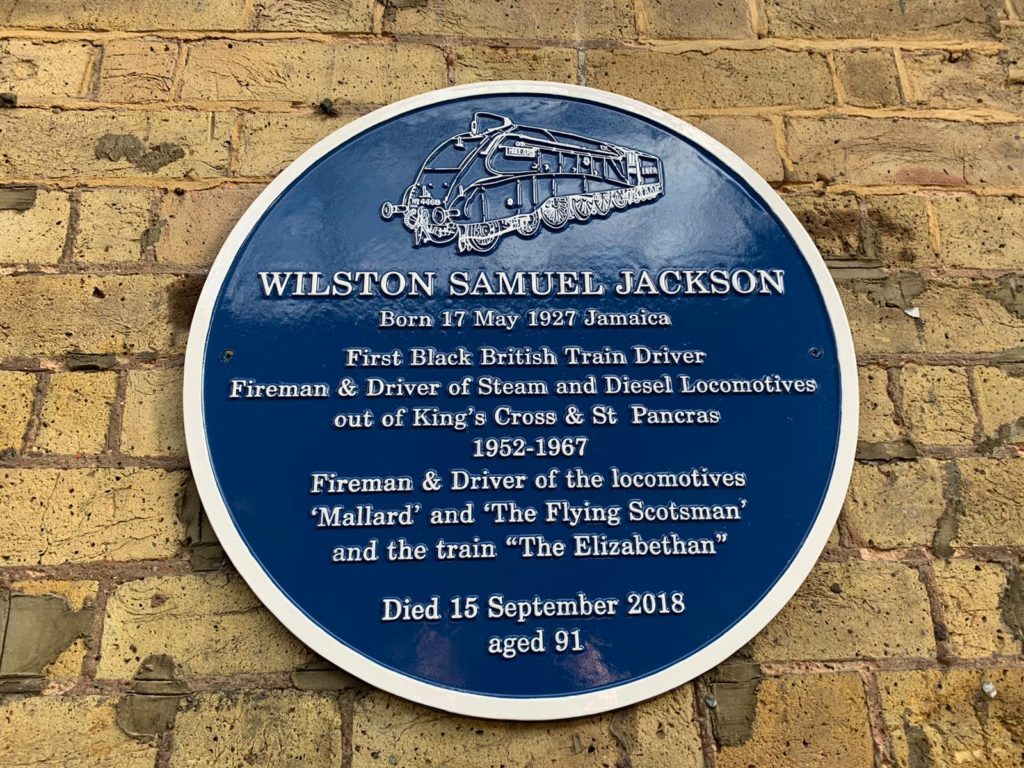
column 450, row 56
column 265, row 681
column 1011, row 603
column 104, row 461
column 116, row 422
column 97, row 70
column 153, row 222
column 880, row 735
column 847, row 540
column 894, row 388
column 74, row 215
column 948, row 525
column 972, row 389
column 108, row 687
column 98, row 36
column 623, row 728
column 702, row 714
column 95, row 644
column 7, row 626
column 35, row 419
column 116, row 269
column 164, row 747
column 940, row 631
column 915, row 554
column 865, row 232
column 60, row 364
column 98, row 570
column 346, row 707
column 1008, row 554
column 897, row 664
column 962, row 359
column 949, row 452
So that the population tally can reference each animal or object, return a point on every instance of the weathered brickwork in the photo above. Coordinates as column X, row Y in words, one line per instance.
column 133, row 134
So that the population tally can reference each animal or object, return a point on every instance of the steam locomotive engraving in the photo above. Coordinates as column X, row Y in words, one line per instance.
column 501, row 178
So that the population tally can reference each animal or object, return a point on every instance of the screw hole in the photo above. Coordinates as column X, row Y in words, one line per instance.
column 816, row 352
column 226, row 355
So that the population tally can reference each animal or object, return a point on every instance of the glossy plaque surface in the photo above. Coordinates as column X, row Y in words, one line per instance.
column 521, row 400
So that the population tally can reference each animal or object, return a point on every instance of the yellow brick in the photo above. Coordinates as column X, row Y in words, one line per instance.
column 877, row 412
column 43, row 144
column 869, row 78
column 391, row 731
column 834, row 223
column 194, row 225
column 376, row 74
column 72, row 732
column 87, row 313
column 37, row 71
column 35, row 235
column 896, row 504
column 85, row 515
column 699, row 19
column 861, row 150
column 666, row 732
column 938, row 718
column 981, row 232
column 476, row 63
column 314, row 15
column 270, row 142
column 960, row 80
column 124, row 14
column 309, row 72
column 152, row 423
column 76, row 413
column 898, row 232
column 530, row 19
column 878, row 329
column 17, row 392
column 112, row 223
column 211, row 625
column 806, row 721
column 970, row 594
column 963, row 319
column 258, row 728
column 949, row 20
column 993, row 503
column 752, row 138
column 937, row 405
column 1000, row 402
column 248, row 71
column 852, row 611
column 137, row 70
column 721, row 78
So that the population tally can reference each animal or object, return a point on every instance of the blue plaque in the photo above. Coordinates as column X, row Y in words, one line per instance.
column 521, row 400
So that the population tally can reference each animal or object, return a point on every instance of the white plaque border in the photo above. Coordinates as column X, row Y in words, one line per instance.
column 501, row 707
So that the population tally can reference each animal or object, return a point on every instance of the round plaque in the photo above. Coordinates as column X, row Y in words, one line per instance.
column 521, row 400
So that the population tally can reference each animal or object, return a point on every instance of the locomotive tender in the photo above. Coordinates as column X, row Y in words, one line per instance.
column 501, row 178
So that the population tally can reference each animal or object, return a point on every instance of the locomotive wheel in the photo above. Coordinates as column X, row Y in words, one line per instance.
column 619, row 199
column 581, row 208
column 555, row 213
column 528, row 226
column 602, row 203
column 482, row 244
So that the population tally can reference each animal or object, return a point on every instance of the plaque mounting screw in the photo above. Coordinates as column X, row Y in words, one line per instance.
column 989, row 689
column 226, row 355
column 816, row 352
column 711, row 701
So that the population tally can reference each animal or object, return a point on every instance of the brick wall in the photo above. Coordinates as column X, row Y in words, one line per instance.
column 134, row 132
